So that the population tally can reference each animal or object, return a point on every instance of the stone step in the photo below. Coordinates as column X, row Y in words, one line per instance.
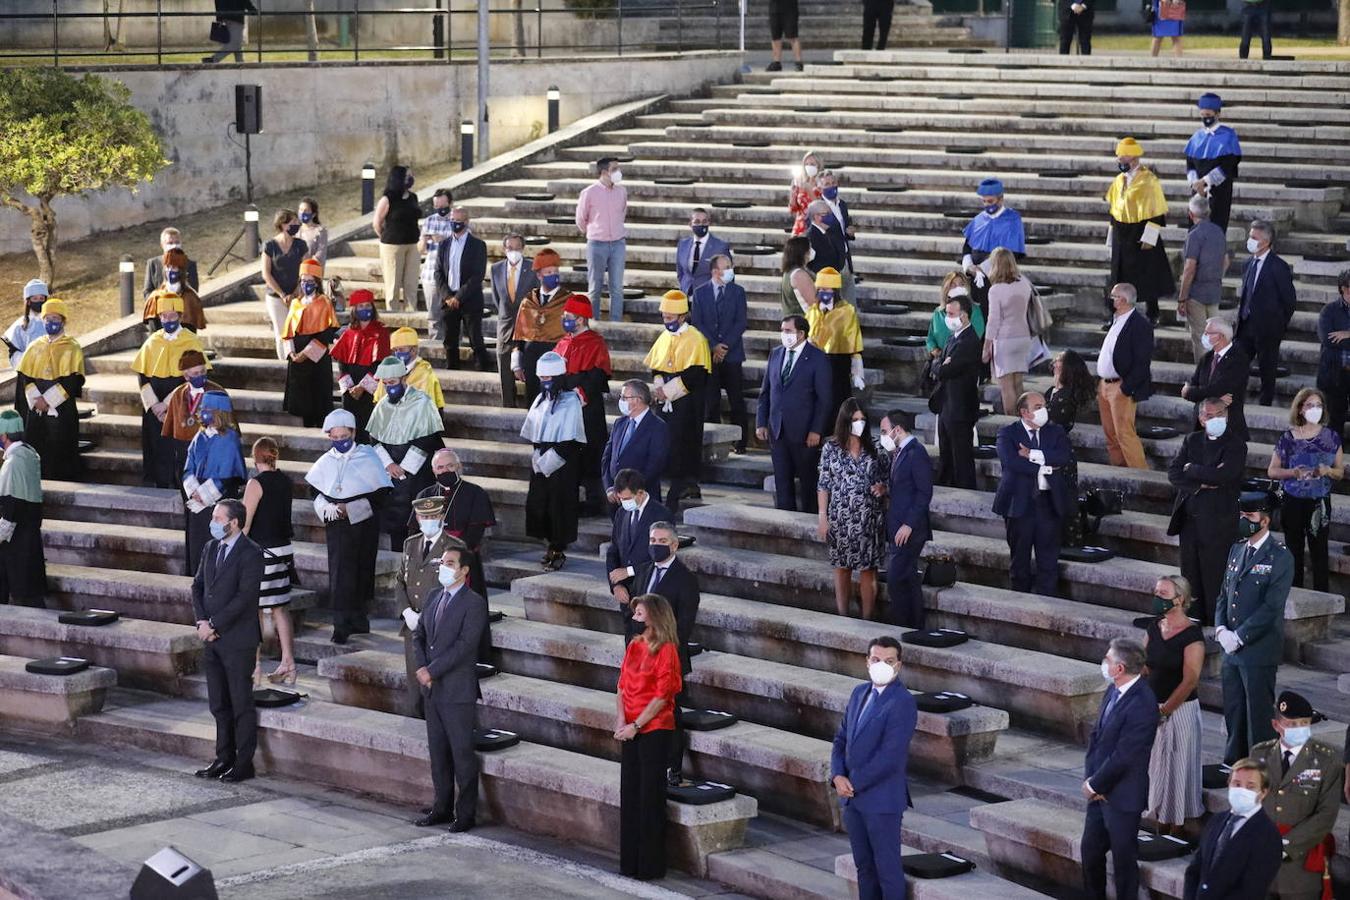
column 49, row 703
column 1036, row 689
column 1194, row 70
column 1299, row 350
column 786, row 773
column 975, row 883
column 760, row 872
column 536, row 789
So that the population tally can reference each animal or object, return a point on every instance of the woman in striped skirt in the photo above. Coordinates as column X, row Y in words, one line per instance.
column 1174, row 648
column 267, row 499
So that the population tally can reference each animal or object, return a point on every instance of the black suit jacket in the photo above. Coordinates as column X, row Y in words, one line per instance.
column 1270, row 302
column 1221, row 464
column 1120, row 747
column 446, row 643
column 472, row 270
column 154, row 275
column 1133, row 357
column 1066, row 13
column 1246, row 868
column 628, row 542
column 1229, row 377
column 957, row 395
column 830, row 246
column 680, row 588
column 228, row 598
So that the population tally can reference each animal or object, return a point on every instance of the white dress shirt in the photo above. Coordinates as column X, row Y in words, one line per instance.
column 1106, row 363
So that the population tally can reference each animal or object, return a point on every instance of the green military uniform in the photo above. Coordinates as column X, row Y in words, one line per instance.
column 1305, row 800
column 418, row 575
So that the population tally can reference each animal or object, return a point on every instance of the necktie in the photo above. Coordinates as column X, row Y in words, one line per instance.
column 1285, row 762
column 632, row 523
column 1246, row 556
column 698, row 247
column 511, row 282
column 1225, row 836
column 657, row 572
column 868, row 705
column 1248, row 283
column 440, row 613
column 628, row 429
column 221, row 554
column 717, row 296
column 787, row 367
column 1213, row 365
column 1035, row 438
column 1111, row 702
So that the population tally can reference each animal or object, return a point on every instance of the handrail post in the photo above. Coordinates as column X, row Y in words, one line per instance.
column 56, row 35
column 260, row 30
column 620, row 48
column 356, row 29
column 159, row 32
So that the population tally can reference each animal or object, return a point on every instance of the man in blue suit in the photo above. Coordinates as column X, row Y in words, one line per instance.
column 1033, row 493
column 1116, row 786
column 1240, row 852
column 910, row 492
column 794, row 411
column 639, row 440
column 694, row 255
column 718, row 310
column 1266, row 302
column 867, row 768
column 629, row 542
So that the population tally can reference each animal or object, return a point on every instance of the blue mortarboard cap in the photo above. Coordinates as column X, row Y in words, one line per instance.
column 990, row 187
column 216, row 400
column 1210, row 101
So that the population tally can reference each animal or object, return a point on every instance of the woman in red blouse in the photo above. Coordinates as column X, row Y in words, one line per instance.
column 804, row 190
column 648, row 682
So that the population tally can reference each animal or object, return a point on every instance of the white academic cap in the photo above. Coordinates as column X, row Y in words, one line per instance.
column 339, row 418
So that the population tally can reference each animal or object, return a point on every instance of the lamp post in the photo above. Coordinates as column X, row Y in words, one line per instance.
column 126, row 280
column 367, row 189
column 466, row 144
column 251, row 244
column 554, row 96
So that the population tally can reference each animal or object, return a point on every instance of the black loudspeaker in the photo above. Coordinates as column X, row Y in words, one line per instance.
column 248, row 108
column 169, row 875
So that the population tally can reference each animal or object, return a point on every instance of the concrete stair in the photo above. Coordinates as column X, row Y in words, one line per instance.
column 49, row 703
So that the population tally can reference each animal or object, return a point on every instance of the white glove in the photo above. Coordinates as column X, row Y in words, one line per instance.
column 979, row 279
column 411, row 619
column 859, row 383
column 856, row 371
column 1228, row 640
column 967, row 263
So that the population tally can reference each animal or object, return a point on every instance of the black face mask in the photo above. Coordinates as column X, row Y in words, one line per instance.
column 660, row 553
column 1124, row 167
column 447, row 479
column 1207, row 121
column 639, row 627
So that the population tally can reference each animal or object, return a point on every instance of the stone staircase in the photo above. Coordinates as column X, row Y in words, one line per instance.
column 823, row 24
column 997, row 782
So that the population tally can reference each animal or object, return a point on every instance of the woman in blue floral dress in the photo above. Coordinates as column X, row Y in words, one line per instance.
column 1306, row 458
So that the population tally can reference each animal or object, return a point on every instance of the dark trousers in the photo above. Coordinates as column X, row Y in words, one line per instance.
column 1297, row 514
column 877, row 17
column 1040, row 532
column 454, row 761
column 904, row 588
column 1255, row 16
column 1337, row 391
column 1107, row 828
column 642, row 805
column 726, row 376
column 1204, row 557
column 1265, row 349
column 229, row 693
column 1082, row 25
column 1248, row 706
column 956, row 453
column 415, row 702
column 875, row 841
column 679, row 740
column 795, row 467
column 469, row 319
column 529, row 358
column 508, row 379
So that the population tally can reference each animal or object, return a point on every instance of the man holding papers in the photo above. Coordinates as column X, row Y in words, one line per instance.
column 555, row 427
column 1138, row 210
column 49, row 381
column 406, row 429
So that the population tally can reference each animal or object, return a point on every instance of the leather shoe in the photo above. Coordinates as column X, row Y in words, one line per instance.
column 461, row 825
column 237, row 774
column 340, row 637
column 215, row 770
column 432, row 819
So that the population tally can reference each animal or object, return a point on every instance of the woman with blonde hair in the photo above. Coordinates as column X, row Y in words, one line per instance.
column 1007, row 340
column 1174, row 648
column 955, row 284
column 649, row 679
column 804, row 189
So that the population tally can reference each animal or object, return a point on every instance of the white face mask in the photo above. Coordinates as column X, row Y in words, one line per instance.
column 810, row 170
column 789, row 339
column 1206, row 342
column 1297, row 736
column 1312, row 415
column 1252, row 245
column 888, row 443
column 1216, row 427
column 1242, row 801
column 447, row 576
column 857, row 426
column 514, row 257
column 1106, row 671
column 953, row 323
column 728, row 276
column 616, row 176
column 629, row 505
column 624, row 408
column 1040, row 417
column 881, row 673
column 429, row 527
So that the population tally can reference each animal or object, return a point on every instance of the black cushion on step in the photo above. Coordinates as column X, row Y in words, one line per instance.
column 625, row 159
column 270, row 698
column 87, row 446
column 906, row 340
column 967, row 151
column 700, row 793
column 86, row 413
column 561, row 220
column 495, row 615
column 92, row 617
column 536, row 196
column 686, row 540
column 732, row 204
column 891, row 188
column 1162, row 846
column 956, row 214
column 579, row 267
column 1039, row 115
column 1046, row 290
column 935, row 865
column 1322, row 257
column 1158, row 432
column 56, row 665
column 761, row 250
column 486, row 740
column 1214, row 776
column 694, row 648
column 633, row 293
column 536, row 240
column 1037, row 240
column 812, row 109
column 485, row 670
column 942, row 702
column 986, row 451
column 967, row 50
column 938, row 637
column 676, row 180
column 1280, row 371
column 755, row 144
column 1085, row 554
column 706, row 719
column 1050, row 173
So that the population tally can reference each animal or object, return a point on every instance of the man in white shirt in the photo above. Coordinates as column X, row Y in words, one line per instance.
column 1125, row 368
column 435, row 228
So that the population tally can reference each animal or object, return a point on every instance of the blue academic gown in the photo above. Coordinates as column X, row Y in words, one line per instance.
column 219, row 460
column 985, row 233
column 1220, row 150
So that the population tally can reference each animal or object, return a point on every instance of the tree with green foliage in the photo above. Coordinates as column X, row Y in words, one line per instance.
column 62, row 135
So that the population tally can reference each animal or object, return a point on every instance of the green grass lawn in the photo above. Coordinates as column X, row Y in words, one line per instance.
column 1207, row 42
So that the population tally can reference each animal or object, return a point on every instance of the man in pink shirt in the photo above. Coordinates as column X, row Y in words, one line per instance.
column 601, row 209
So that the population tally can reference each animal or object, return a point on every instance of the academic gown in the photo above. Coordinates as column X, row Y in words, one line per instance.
column 554, row 423
column 52, row 361
column 352, row 546
column 216, row 461
column 158, row 375
column 1221, row 150
column 468, row 516
column 181, row 424
column 23, row 563
column 358, row 351
column 1132, row 208
column 538, row 330
column 837, row 334
column 682, row 355
column 309, row 385
column 407, row 433
column 983, row 235
column 588, row 368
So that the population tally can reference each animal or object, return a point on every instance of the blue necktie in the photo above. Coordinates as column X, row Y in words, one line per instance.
column 873, row 698
column 1248, row 285
column 628, row 429
column 1110, row 703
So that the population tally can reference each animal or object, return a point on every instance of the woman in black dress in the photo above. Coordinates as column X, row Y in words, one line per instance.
column 396, row 223
column 1174, row 648
column 1074, row 388
column 267, row 500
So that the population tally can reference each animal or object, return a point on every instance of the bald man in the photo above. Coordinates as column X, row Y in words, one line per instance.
column 468, row 510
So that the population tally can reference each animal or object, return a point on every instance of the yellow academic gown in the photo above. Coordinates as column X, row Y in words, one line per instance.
column 680, row 363
column 1132, row 207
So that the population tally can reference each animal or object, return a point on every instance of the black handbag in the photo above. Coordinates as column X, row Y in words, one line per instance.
column 220, row 32
column 706, row 719
column 1153, row 848
column 939, row 571
column 700, row 793
column 486, row 740
column 271, row 698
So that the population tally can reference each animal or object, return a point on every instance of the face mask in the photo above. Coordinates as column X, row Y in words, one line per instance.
column 1106, row 671
column 197, row 381
column 171, row 276
column 1297, row 736
column 1124, row 167
column 208, row 418
column 699, row 230
column 826, row 299
column 1161, row 605
column 457, row 227
column 888, row 443
column 639, row 627
column 1206, row 342
column 293, row 229
column 172, row 245
column 828, row 220
column 447, row 576
column 1242, row 801
column 1246, row 527
column 514, row 257
column 447, row 479
column 442, row 210
column 992, row 208
column 35, row 305
column 1216, row 427
column 1312, row 415
column 309, row 287
column 616, row 176
column 810, row 170
column 306, row 217
column 830, row 193
column 673, row 327
column 953, row 323
column 546, row 385
column 343, row 445
column 365, row 313
column 53, row 328
column 728, row 276
column 395, row 392
column 1040, row 417
column 569, row 325
column 624, row 408
column 550, row 282
column 1207, row 121
column 881, row 673
column 629, row 505
column 429, row 527
column 1252, row 245
column 857, row 427
column 404, row 356
column 409, row 183
column 170, row 327
column 218, row 530
column 789, row 339
column 660, row 552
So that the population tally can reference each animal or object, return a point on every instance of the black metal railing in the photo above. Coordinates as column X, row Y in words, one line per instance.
column 346, row 33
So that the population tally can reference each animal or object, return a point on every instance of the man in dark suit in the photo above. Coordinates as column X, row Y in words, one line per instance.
column 867, row 769
column 910, row 493
column 794, row 411
column 718, row 310
column 1266, row 303
column 1240, row 850
column 639, row 440
column 1333, row 365
column 1033, row 493
column 1221, row 374
column 694, row 255
column 169, row 239
column 1249, row 626
column 1116, row 786
column 1075, row 17
column 665, row 575
column 445, row 643
column 1207, row 474
column 225, row 603
column 1125, row 365
column 827, row 238
column 629, row 541
column 512, row 280
column 461, row 265
column 956, row 399
column 418, row 578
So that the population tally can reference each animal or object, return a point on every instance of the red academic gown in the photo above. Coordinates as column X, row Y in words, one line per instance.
column 589, row 369
column 358, row 351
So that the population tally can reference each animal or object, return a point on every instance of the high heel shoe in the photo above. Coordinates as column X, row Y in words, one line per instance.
column 283, row 675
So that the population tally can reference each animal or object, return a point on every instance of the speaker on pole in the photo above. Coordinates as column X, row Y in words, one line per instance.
column 169, row 875
column 248, row 108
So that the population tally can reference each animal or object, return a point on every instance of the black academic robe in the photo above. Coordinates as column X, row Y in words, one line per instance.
column 1147, row 269
column 397, row 510
column 551, row 507
column 159, row 454
column 360, row 407
column 309, row 385
column 1221, row 197
column 56, row 439
column 23, row 563
column 685, row 421
column 352, row 550
column 595, row 383
column 468, row 516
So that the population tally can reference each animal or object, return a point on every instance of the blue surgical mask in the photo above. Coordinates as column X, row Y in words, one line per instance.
column 1243, row 801
column 828, row 220
column 629, row 505
column 457, row 227
column 306, row 217
column 1206, row 342
column 218, row 530
column 429, row 527
column 170, row 327
column 699, row 230
column 405, row 356
column 197, row 381
column 395, row 392
column 343, row 445
column 365, row 313
column 992, row 208
column 826, row 297
column 830, row 193
column 53, row 328
column 546, row 384
column 1297, row 735
column 569, row 324
column 309, row 287
column 171, row 276
column 550, row 281
column 1216, row 427
column 673, row 327
column 447, row 576
column 208, row 418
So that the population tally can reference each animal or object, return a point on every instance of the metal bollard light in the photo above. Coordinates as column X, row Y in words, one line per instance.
column 466, row 144
column 126, row 282
column 554, row 96
column 252, row 247
column 367, row 189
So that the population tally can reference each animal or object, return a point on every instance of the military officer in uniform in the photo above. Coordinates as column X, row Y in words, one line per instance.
column 417, row 578
column 1249, row 625
column 1306, row 783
